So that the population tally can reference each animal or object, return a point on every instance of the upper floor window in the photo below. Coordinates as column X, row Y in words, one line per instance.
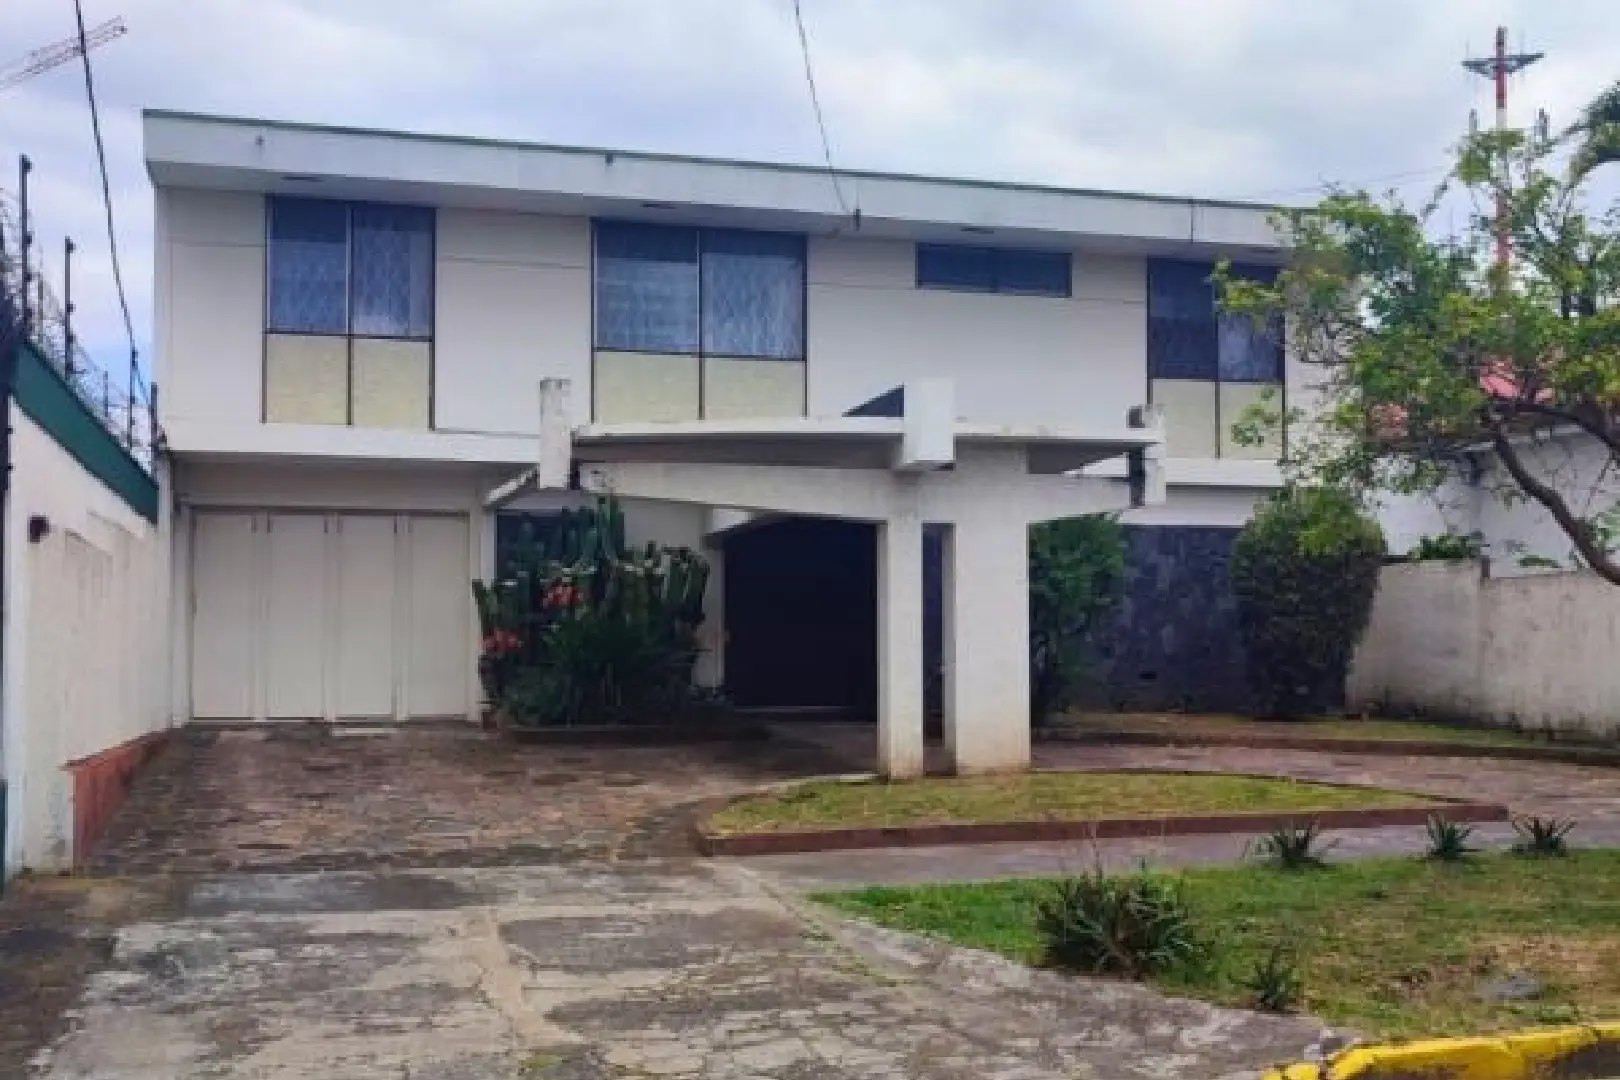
column 677, row 308
column 348, row 313
column 1207, row 367
column 995, row 270
column 718, row 292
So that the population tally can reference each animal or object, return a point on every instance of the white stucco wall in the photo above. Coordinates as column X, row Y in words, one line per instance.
column 1579, row 467
column 1487, row 501
column 1014, row 359
column 85, row 651
column 209, row 295
column 513, row 307
column 1531, row 651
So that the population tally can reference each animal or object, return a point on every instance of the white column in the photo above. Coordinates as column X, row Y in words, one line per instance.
column 987, row 644
column 900, row 646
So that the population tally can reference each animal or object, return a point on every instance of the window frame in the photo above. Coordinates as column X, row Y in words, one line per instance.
column 348, row 335
column 1280, row 382
column 995, row 255
column 802, row 246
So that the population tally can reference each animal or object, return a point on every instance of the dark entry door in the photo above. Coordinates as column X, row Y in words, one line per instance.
column 801, row 616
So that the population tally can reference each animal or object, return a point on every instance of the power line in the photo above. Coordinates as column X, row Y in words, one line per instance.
column 1410, row 174
column 106, row 198
column 815, row 104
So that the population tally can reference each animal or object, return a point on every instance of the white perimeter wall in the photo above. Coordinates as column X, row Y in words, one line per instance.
column 1511, row 526
column 85, row 651
column 1534, row 651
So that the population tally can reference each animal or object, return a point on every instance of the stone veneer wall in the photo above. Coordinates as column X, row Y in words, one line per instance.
column 1173, row 643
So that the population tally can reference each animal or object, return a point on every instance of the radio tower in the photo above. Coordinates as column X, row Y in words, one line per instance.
column 1498, row 68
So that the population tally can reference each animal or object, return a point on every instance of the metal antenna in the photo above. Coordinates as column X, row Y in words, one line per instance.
column 1498, row 68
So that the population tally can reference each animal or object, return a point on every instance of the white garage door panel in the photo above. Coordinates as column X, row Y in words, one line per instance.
column 440, row 612
column 301, row 615
column 224, row 617
column 294, row 646
column 365, row 631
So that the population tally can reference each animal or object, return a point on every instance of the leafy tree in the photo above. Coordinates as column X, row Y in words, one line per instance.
column 1432, row 352
column 1598, row 132
column 1304, row 573
column 1076, row 575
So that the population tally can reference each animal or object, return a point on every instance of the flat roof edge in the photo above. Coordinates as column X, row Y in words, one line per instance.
column 350, row 131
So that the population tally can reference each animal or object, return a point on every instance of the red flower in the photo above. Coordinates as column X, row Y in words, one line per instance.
column 562, row 595
column 502, row 641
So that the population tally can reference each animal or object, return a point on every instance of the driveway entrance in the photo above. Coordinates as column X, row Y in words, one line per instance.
column 278, row 904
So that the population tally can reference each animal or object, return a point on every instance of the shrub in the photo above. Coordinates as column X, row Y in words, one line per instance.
column 1132, row 925
column 1294, row 847
column 1448, row 547
column 1304, row 572
column 1076, row 575
column 1542, row 836
column 1275, row 984
column 1448, row 840
column 584, row 629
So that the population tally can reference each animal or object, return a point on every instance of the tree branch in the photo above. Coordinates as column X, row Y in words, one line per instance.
column 1578, row 531
column 1581, row 419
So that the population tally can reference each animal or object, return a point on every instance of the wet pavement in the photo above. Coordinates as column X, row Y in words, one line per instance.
column 438, row 905
column 305, row 798
column 677, row 969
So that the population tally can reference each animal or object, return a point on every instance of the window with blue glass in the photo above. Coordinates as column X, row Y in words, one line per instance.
column 1013, row 271
column 1205, row 366
column 350, row 268
column 348, row 313
column 711, row 292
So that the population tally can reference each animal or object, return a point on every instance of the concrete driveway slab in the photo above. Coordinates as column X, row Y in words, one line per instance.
column 657, row 969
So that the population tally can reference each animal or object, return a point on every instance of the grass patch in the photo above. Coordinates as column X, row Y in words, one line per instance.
column 1326, row 728
column 1038, row 796
column 1391, row 948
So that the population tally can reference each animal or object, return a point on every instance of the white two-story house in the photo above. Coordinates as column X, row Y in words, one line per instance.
column 351, row 327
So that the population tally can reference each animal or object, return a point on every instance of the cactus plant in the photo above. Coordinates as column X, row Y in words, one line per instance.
column 586, row 629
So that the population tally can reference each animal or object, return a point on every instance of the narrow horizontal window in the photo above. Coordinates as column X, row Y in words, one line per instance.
column 1014, row 271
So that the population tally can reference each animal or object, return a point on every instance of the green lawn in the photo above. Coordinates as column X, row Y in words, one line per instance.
column 1388, row 948
column 1037, row 796
column 1337, row 728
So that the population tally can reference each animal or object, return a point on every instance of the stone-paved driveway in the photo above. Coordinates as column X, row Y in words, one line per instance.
column 434, row 905
column 303, row 798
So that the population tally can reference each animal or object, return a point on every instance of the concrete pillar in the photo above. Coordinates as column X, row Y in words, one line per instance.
column 900, row 646
column 986, row 643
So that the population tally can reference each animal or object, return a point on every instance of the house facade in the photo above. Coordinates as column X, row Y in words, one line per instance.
column 351, row 327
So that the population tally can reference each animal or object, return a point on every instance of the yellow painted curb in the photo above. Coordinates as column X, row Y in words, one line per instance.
column 1588, row 1052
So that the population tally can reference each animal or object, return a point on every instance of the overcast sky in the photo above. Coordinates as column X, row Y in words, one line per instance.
column 1261, row 99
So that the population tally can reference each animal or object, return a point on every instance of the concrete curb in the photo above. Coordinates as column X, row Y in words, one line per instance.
column 1590, row 1052
column 797, row 841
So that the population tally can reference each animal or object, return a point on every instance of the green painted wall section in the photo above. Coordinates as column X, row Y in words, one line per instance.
column 44, row 394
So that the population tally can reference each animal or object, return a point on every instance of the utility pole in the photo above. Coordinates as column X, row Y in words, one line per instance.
column 1498, row 68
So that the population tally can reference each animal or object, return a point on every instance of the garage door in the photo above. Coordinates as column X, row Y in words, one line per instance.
column 329, row 615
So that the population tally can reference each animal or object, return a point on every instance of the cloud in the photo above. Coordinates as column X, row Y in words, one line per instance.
column 1242, row 98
